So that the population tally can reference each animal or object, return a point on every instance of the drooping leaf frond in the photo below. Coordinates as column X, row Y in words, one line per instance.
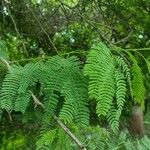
column 10, row 88
column 15, row 93
column 76, row 99
column 126, row 70
column 138, row 88
column 3, row 50
column 100, row 69
column 138, row 84
column 114, row 113
column 63, row 141
column 108, row 75
column 57, row 77
column 30, row 76
column 120, row 89
column 22, row 102
column 47, row 138
column 113, row 118
column 53, row 76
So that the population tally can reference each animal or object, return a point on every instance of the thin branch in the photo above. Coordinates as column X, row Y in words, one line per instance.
column 144, row 60
column 75, row 139
column 65, row 14
column 138, row 49
column 36, row 100
column 10, row 117
column 48, row 57
column 69, row 53
column 124, row 39
column 6, row 63
column 141, row 57
column 16, row 29
column 50, row 40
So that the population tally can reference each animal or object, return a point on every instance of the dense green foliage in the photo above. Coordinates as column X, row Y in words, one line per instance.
column 55, row 67
column 63, row 90
column 106, row 83
column 63, row 78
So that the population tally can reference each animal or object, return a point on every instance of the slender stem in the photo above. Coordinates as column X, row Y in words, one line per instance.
column 141, row 57
column 124, row 39
column 10, row 117
column 36, row 100
column 144, row 60
column 16, row 29
column 47, row 57
column 82, row 147
column 6, row 63
column 138, row 49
